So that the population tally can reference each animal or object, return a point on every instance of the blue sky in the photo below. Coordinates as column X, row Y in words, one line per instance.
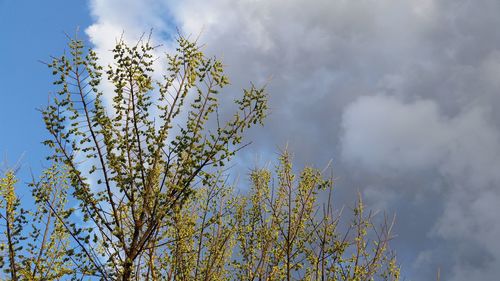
column 30, row 31
column 402, row 96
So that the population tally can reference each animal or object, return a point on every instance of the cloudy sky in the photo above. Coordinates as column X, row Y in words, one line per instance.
column 400, row 95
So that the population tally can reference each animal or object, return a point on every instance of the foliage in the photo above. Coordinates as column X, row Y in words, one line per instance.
column 37, row 243
column 289, row 232
column 149, row 199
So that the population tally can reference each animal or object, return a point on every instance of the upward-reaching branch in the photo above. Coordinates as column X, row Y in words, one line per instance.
column 142, row 186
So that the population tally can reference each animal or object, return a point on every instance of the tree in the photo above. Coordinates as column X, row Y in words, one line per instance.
column 150, row 199
column 37, row 244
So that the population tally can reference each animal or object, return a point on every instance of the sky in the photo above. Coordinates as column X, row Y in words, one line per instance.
column 30, row 32
column 399, row 95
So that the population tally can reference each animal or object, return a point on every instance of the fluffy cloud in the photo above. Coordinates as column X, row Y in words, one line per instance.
column 382, row 133
column 387, row 136
column 399, row 93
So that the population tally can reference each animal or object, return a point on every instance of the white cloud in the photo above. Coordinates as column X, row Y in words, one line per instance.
column 428, row 135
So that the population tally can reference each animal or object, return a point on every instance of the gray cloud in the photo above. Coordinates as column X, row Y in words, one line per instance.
column 400, row 94
column 392, row 139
